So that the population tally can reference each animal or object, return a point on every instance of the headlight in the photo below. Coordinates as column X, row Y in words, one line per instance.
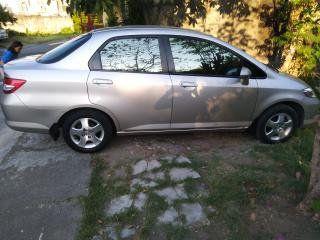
column 308, row 92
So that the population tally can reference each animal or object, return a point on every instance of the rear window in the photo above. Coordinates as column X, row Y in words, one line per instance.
column 64, row 50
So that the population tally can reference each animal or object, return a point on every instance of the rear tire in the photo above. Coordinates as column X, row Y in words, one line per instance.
column 87, row 131
column 277, row 124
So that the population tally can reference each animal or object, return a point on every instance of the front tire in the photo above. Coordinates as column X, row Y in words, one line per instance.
column 277, row 124
column 87, row 131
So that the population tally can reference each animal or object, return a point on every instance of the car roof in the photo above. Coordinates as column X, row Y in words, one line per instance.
column 160, row 29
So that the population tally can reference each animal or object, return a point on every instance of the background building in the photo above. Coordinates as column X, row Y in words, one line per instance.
column 36, row 16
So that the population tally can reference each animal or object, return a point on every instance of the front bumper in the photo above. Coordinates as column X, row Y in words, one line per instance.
column 311, row 110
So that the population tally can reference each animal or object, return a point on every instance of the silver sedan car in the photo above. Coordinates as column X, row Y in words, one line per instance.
column 133, row 80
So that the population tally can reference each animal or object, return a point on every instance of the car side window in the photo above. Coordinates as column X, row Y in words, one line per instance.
column 201, row 57
column 139, row 54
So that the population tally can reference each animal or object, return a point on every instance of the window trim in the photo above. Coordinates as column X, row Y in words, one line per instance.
column 86, row 37
column 95, row 61
column 171, row 66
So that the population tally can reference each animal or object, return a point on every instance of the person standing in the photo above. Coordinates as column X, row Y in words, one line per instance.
column 11, row 53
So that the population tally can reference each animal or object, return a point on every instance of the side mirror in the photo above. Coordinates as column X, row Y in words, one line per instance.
column 245, row 75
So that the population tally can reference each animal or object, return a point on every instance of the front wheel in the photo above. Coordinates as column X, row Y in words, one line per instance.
column 87, row 131
column 277, row 124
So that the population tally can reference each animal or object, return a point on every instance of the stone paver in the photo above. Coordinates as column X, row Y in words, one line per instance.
column 182, row 159
column 111, row 232
column 168, row 159
column 169, row 216
column 127, row 232
column 119, row 205
column 193, row 212
column 172, row 193
column 137, row 182
column 144, row 165
column 179, row 174
column 140, row 201
column 153, row 165
column 140, row 167
column 145, row 175
column 155, row 176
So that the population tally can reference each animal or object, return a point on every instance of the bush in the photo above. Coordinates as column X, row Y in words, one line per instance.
column 67, row 30
column 76, row 23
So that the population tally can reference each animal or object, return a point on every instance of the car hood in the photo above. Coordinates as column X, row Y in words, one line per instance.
column 294, row 81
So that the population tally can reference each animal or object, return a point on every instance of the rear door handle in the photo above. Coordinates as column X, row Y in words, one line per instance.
column 188, row 84
column 102, row 81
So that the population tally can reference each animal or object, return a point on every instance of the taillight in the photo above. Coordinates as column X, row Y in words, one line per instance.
column 11, row 85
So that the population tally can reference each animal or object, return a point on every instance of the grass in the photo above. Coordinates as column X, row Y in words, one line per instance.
column 315, row 206
column 34, row 38
column 231, row 194
column 176, row 232
column 155, row 205
column 293, row 158
column 93, row 204
column 235, row 191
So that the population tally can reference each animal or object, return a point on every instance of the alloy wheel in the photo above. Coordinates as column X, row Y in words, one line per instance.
column 86, row 133
column 279, row 127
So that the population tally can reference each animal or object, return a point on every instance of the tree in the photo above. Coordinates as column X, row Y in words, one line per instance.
column 313, row 193
column 276, row 17
column 160, row 12
column 6, row 16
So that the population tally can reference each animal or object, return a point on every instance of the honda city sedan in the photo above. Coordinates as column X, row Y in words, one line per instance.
column 134, row 80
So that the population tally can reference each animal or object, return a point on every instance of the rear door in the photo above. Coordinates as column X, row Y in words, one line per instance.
column 132, row 82
column 206, row 85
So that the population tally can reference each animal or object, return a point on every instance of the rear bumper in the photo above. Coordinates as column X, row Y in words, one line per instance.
column 21, row 118
column 311, row 111
column 27, row 127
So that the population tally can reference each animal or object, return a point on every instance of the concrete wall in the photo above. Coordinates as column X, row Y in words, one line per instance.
column 41, row 24
column 36, row 7
column 36, row 16
column 246, row 33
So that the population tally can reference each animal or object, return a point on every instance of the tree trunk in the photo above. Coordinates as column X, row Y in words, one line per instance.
column 314, row 184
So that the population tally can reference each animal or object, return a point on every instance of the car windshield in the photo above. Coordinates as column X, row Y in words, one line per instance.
column 64, row 50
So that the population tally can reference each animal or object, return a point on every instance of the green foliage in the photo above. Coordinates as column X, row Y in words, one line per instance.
column 66, row 30
column 6, row 16
column 315, row 206
column 161, row 12
column 76, row 23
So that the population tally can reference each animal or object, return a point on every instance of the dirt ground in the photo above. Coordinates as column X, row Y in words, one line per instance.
column 199, row 186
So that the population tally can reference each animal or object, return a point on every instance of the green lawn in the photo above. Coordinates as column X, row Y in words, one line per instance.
column 34, row 38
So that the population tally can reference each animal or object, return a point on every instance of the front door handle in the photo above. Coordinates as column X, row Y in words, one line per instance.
column 102, row 81
column 188, row 84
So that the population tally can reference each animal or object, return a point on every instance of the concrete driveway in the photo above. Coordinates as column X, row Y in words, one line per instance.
column 32, row 49
column 41, row 181
column 40, row 185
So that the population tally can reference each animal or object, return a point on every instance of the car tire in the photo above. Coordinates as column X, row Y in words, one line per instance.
column 87, row 131
column 277, row 124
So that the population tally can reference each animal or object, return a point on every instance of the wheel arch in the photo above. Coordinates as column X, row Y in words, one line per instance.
column 112, row 120
column 296, row 106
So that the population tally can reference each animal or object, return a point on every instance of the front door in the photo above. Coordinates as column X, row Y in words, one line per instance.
column 206, row 86
column 132, row 83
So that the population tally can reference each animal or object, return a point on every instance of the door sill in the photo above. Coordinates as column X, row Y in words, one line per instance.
column 181, row 130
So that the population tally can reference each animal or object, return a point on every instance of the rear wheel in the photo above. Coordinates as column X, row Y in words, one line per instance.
column 277, row 124
column 87, row 131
